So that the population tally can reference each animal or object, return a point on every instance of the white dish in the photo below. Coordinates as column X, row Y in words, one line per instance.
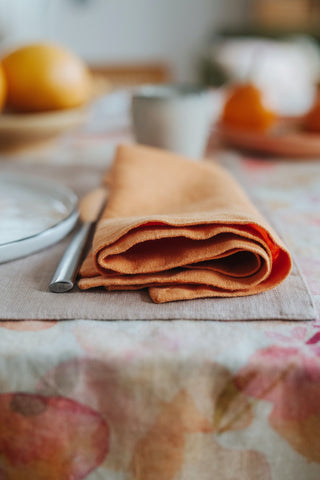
column 34, row 214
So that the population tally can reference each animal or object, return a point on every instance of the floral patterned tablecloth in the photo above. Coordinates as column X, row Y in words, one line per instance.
column 171, row 400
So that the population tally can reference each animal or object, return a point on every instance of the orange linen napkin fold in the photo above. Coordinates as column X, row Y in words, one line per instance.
column 182, row 229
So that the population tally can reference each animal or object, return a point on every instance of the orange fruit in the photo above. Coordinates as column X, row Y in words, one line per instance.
column 43, row 77
column 245, row 109
column 3, row 88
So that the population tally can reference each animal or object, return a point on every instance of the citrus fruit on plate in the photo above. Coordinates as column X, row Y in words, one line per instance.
column 43, row 77
column 3, row 88
column 245, row 108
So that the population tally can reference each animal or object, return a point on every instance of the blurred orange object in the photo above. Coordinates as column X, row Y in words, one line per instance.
column 45, row 77
column 3, row 88
column 311, row 120
column 244, row 109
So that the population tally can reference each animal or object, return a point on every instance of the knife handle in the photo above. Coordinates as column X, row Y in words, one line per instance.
column 64, row 278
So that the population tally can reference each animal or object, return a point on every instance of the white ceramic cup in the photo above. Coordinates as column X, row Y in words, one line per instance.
column 172, row 117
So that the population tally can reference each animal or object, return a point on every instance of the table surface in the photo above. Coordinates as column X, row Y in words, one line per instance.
column 168, row 400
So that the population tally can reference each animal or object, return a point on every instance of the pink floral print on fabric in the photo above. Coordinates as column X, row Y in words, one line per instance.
column 49, row 438
column 127, row 400
column 288, row 376
column 159, row 454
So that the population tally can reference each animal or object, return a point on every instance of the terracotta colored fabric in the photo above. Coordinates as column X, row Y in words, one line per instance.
column 182, row 229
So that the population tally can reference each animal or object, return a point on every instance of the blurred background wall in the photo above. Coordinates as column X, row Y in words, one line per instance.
column 124, row 31
column 214, row 41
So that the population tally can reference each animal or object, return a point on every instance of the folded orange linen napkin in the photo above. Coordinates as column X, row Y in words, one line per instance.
column 182, row 229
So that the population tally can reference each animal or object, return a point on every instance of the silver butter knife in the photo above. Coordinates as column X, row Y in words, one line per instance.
column 89, row 211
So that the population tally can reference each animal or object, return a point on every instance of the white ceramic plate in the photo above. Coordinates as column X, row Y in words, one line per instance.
column 34, row 214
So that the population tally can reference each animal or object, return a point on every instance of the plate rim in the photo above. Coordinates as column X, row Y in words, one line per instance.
column 70, row 200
